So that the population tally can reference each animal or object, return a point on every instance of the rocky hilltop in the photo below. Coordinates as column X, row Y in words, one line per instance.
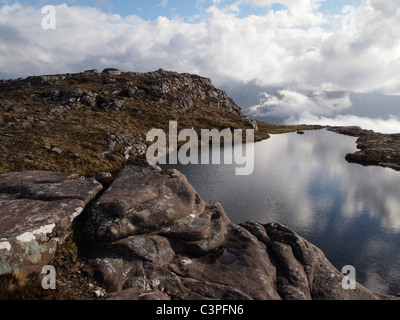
column 91, row 121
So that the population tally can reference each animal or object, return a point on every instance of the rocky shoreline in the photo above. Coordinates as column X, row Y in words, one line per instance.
column 150, row 236
column 376, row 149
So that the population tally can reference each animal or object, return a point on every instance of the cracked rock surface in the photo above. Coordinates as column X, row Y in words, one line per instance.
column 37, row 209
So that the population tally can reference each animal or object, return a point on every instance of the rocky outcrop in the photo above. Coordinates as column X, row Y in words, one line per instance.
column 112, row 71
column 36, row 214
column 153, row 237
column 179, row 91
column 150, row 236
column 99, row 119
column 127, row 143
column 375, row 148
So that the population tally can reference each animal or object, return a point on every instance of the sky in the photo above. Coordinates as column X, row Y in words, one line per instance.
column 304, row 48
column 191, row 11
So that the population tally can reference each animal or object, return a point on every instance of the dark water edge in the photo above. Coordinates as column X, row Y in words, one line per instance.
column 349, row 211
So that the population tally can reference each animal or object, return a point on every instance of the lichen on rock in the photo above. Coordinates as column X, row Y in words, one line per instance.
column 37, row 210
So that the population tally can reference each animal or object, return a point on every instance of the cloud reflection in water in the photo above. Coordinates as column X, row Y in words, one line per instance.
column 349, row 211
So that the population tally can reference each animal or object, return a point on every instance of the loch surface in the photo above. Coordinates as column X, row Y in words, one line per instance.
column 349, row 211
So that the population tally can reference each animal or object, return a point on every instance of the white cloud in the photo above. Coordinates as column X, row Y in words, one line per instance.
column 295, row 105
column 303, row 12
column 317, row 108
column 287, row 48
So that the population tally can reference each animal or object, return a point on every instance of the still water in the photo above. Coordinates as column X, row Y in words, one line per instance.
column 349, row 211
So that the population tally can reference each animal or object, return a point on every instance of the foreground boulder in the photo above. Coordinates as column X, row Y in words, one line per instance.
column 36, row 213
column 150, row 236
column 153, row 237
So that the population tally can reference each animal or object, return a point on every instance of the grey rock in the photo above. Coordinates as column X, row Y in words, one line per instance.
column 49, row 80
column 251, row 123
column 111, row 71
column 114, row 272
column 17, row 110
column 71, row 95
column 51, row 94
column 89, row 99
column 129, row 144
column 132, row 93
column 151, row 248
column 158, row 90
column 37, row 210
column 109, row 105
column 184, row 102
column 59, row 109
column 138, row 295
column 91, row 72
column 56, row 150
column 141, row 199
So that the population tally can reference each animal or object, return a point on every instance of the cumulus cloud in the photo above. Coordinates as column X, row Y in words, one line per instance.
column 321, row 108
column 318, row 108
column 288, row 47
column 295, row 105
column 302, row 13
